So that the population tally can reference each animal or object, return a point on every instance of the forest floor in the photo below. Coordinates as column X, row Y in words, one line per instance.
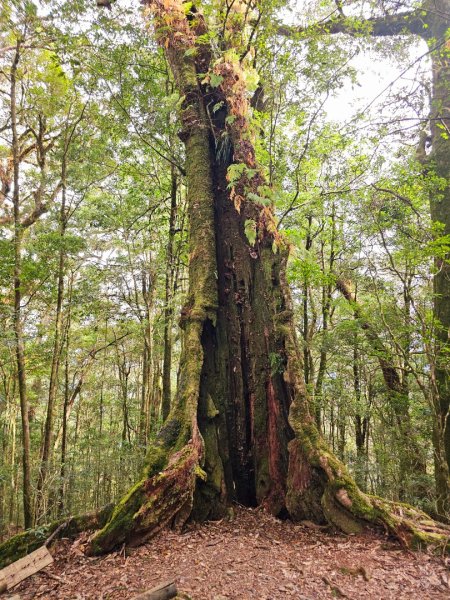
column 251, row 556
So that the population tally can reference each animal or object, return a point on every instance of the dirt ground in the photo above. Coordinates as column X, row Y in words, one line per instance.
column 251, row 556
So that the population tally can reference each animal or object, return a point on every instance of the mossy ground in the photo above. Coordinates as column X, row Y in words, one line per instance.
column 23, row 543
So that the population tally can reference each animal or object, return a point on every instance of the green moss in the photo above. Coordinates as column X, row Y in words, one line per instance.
column 422, row 540
column 23, row 543
column 208, row 501
column 338, row 516
column 121, row 522
column 155, row 459
column 211, row 410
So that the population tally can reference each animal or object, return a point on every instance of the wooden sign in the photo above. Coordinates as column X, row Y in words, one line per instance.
column 25, row 567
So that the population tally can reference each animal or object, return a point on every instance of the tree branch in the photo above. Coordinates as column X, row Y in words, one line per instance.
column 414, row 22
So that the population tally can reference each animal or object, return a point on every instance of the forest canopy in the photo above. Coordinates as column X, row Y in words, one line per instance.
column 224, row 262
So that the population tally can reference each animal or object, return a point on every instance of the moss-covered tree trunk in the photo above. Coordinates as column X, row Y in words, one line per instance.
column 439, row 163
column 242, row 426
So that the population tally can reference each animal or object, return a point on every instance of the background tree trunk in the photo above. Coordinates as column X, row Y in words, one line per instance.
column 168, row 308
column 439, row 162
column 17, row 318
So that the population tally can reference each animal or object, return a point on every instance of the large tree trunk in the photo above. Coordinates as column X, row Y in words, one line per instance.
column 242, row 426
column 439, row 163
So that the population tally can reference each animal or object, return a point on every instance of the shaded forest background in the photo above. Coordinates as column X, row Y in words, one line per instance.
column 93, row 255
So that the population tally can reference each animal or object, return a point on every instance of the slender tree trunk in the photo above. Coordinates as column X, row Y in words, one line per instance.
column 155, row 393
column 4, row 436
column 57, row 349
column 327, row 291
column 65, row 415
column 148, row 290
column 123, row 370
column 341, row 431
column 361, row 423
column 17, row 315
column 14, row 471
column 305, row 316
column 145, row 395
column 168, row 308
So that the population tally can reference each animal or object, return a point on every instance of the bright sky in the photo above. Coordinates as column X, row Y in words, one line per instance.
column 378, row 76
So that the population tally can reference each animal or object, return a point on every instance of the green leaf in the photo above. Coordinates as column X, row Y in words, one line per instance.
column 218, row 106
column 203, row 39
column 215, row 80
column 259, row 199
column 234, row 173
column 250, row 231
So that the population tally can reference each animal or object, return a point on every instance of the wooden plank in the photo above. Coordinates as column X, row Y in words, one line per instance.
column 164, row 591
column 26, row 566
column 3, row 585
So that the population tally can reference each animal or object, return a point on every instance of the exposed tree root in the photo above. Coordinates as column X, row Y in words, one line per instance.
column 321, row 489
column 23, row 543
column 164, row 498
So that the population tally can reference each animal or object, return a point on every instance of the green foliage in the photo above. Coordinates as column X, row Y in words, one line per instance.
column 215, row 80
column 276, row 363
column 250, row 231
column 234, row 173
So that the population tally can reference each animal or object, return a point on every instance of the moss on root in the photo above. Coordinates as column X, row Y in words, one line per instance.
column 23, row 543
column 166, row 497
column 344, row 505
column 121, row 522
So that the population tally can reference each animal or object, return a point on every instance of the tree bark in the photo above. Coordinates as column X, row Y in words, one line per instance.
column 147, row 419
column 65, row 415
column 57, row 348
column 17, row 315
column 361, row 423
column 168, row 308
column 438, row 162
